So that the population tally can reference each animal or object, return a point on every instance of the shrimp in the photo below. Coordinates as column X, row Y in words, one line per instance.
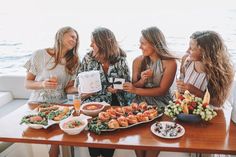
column 104, row 116
column 134, row 106
column 127, row 109
column 142, row 117
column 123, row 121
column 152, row 113
column 132, row 119
column 119, row 111
column 112, row 124
column 143, row 106
column 111, row 112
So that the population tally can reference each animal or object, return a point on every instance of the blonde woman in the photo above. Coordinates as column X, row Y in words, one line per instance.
column 51, row 71
column 207, row 66
column 153, row 74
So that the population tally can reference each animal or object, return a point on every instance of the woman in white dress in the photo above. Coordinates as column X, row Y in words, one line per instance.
column 51, row 71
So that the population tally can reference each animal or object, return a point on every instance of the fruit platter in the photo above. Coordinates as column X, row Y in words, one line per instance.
column 190, row 108
column 46, row 115
column 124, row 117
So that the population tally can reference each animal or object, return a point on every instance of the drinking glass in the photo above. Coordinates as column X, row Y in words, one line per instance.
column 180, row 77
column 77, row 103
column 149, row 72
column 53, row 78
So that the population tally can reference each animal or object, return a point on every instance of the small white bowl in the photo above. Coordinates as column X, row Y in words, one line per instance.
column 35, row 126
column 73, row 131
column 93, row 112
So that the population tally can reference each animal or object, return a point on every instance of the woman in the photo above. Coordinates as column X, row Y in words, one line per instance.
column 207, row 66
column 51, row 71
column 108, row 58
column 153, row 73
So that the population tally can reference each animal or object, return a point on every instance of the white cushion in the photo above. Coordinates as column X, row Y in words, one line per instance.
column 15, row 85
column 5, row 97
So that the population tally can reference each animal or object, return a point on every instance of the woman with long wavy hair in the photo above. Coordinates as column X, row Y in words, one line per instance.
column 153, row 74
column 207, row 66
column 51, row 72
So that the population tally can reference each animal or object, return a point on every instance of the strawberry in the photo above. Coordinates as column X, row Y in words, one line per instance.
column 177, row 102
column 205, row 105
column 181, row 97
column 190, row 108
column 193, row 104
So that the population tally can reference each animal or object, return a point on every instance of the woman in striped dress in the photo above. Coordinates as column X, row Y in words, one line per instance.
column 207, row 66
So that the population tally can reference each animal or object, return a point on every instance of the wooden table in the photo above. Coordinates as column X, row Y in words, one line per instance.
column 217, row 136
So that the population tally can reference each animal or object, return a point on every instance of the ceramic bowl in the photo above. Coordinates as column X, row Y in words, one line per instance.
column 93, row 108
column 73, row 131
column 189, row 118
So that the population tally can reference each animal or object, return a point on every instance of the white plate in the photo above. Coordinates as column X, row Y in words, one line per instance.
column 164, row 124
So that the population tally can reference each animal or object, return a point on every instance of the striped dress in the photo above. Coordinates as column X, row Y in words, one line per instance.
column 191, row 76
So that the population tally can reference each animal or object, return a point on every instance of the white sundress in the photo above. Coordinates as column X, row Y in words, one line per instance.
column 39, row 65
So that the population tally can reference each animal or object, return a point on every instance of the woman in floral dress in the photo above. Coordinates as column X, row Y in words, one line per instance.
column 110, row 60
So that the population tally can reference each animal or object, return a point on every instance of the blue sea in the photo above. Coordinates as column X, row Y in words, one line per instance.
column 29, row 25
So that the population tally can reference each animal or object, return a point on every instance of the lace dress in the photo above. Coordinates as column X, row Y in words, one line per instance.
column 39, row 65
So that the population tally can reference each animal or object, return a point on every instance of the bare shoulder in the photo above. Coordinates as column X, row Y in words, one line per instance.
column 138, row 60
column 170, row 63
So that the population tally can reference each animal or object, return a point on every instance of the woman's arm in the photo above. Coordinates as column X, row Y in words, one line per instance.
column 139, row 83
column 191, row 88
column 30, row 83
column 70, row 87
column 170, row 67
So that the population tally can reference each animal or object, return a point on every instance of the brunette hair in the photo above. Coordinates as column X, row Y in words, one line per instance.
column 108, row 47
column 157, row 39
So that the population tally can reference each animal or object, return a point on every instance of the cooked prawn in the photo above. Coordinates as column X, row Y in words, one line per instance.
column 103, row 116
column 123, row 121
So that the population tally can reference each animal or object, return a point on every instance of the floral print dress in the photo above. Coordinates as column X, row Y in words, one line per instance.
column 118, row 70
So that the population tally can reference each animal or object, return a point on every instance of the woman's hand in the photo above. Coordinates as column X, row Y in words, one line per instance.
column 86, row 95
column 112, row 90
column 182, row 87
column 146, row 74
column 49, row 84
column 129, row 87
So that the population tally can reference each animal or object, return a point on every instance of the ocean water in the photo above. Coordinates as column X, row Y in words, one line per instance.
column 26, row 29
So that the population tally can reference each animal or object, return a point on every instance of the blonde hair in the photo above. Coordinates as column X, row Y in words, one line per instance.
column 217, row 64
column 71, row 56
column 108, row 47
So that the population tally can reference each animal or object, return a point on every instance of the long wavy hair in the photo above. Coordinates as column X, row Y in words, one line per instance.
column 71, row 56
column 217, row 64
column 157, row 39
column 108, row 47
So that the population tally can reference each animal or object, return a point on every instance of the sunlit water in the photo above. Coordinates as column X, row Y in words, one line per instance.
column 26, row 29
